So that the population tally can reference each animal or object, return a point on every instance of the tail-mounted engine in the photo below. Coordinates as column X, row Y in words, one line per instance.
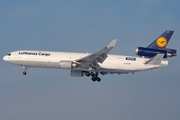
column 150, row 52
column 66, row 64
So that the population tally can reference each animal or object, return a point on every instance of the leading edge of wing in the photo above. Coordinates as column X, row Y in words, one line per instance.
column 99, row 56
column 112, row 43
column 155, row 60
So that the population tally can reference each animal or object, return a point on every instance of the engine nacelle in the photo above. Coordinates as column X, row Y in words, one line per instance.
column 149, row 52
column 170, row 52
column 65, row 64
column 76, row 73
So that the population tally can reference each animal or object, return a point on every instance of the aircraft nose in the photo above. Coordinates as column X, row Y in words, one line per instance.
column 5, row 58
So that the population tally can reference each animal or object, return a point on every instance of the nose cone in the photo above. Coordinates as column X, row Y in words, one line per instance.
column 5, row 58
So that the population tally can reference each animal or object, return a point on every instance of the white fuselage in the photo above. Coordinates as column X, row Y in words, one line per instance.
column 50, row 59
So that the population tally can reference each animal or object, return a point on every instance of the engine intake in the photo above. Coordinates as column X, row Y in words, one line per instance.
column 149, row 52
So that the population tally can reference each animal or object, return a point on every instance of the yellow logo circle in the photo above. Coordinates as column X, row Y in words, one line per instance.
column 161, row 42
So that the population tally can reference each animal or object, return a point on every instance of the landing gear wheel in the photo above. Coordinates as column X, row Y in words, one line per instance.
column 24, row 73
column 87, row 74
column 98, row 79
column 93, row 79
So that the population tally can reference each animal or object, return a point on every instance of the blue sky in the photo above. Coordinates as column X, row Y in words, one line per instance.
column 87, row 26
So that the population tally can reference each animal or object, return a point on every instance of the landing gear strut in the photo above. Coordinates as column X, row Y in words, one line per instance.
column 24, row 72
column 95, row 77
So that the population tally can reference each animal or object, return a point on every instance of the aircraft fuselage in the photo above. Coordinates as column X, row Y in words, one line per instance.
column 49, row 59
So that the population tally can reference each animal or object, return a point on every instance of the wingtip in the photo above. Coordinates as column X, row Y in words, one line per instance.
column 112, row 43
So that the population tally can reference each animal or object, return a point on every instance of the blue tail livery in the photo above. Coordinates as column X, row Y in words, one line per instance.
column 158, row 47
column 162, row 40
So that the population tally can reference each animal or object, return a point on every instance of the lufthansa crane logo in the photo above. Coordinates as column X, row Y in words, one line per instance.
column 161, row 42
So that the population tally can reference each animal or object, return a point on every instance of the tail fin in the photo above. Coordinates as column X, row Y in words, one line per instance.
column 162, row 40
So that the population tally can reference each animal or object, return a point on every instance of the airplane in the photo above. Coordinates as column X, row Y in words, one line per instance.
column 93, row 64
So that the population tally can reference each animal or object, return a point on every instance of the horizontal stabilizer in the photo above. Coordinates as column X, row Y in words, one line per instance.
column 155, row 60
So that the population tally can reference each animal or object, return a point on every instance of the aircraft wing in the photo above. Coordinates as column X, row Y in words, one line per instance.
column 98, row 57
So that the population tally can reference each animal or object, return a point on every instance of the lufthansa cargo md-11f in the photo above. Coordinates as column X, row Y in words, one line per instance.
column 86, row 64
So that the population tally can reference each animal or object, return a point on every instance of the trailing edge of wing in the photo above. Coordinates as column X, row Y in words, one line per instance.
column 155, row 60
column 99, row 56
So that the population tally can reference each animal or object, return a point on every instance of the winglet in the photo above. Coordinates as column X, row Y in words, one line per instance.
column 112, row 43
column 155, row 60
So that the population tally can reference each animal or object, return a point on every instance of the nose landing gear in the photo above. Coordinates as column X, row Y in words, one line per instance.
column 24, row 72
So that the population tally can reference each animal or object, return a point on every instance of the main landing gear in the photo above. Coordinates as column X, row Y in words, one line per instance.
column 94, row 76
column 24, row 72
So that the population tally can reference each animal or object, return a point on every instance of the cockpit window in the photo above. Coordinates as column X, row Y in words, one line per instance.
column 9, row 54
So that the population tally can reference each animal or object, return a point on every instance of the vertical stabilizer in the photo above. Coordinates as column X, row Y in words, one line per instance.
column 162, row 40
